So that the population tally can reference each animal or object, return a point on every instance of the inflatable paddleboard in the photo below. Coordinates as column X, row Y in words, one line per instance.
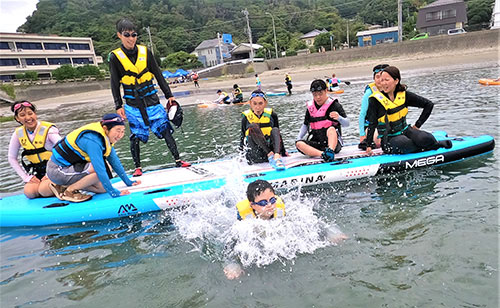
column 275, row 94
column 489, row 82
column 336, row 92
column 171, row 187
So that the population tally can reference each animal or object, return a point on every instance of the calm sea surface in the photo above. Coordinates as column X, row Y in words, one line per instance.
column 426, row 238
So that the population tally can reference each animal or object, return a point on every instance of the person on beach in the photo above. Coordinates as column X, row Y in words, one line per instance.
column 195, row 79
column 288, row 82
column 387, row 112
column 37, row 138
column 222, row 98
column 369, row 90
column 263, row 203
column 258, row 83
column 80, row 161
column 324, row 117
column 260, row 133
column 237, row 94
column 134, row 67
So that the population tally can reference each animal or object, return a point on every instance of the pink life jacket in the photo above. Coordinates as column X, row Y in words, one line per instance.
column 319, row 119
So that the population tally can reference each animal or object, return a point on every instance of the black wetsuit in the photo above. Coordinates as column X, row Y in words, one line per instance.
column 258, row 145
column 411, row 140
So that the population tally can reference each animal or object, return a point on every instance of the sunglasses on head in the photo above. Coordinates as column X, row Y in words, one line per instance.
column 128, row 34
column 22, row 104
column 265, row 202
column 258, row 94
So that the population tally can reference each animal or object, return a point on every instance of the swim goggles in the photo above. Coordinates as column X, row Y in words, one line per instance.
column 265, row 202
column 128, row 34
column 258, row 94
column 22, row 104
column 115, row 120
column 317, row 88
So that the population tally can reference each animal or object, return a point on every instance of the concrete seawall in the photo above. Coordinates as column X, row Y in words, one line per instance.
column 444, row 44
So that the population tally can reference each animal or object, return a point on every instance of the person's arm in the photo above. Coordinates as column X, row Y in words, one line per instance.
column 155, row 70
column 362, row 112
column 276, row 122
column 14, row 147
column 114, row 65
column 93, row 145
column 415, row 100
column 117, row 166
column 371, row 116
column 339, row 110
column 52, row 138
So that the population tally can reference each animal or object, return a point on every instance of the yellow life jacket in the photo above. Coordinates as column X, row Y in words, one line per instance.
column 224, row 94
column 137, row 80
column 69, row 150
column 35, row 150
column 395, row 113
column 265, row 120
column 237, row 91
column 371, row 86
column 288, row 78
column 245, row 210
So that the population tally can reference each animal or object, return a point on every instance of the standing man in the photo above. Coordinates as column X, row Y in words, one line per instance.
column 258, row 83
column 288, row 82
column 134, row 67
column 195, row 79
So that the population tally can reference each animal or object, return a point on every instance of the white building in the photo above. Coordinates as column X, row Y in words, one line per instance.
column 209, row 52
column 21, row 52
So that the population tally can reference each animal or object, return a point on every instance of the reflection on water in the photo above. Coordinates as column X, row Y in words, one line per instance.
column 424, row 237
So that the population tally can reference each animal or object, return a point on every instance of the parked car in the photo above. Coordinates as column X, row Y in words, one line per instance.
column 420, row 36
column 456, row 31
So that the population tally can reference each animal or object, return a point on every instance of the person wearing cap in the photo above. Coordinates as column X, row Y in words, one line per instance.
column 223, row 97
column 323, row 120
column 37, row 138
column 80, row 161
column 387, row 110
column 260, row 133
column 369, row 90
column 238, row 94
column 134, row 67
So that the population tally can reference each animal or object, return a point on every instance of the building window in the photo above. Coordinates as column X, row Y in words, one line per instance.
column 9, row 62
column 83, row 61
column 59, row 61
column 79, row 46
column 54, row 46
column 433, row 16
column 36, row 61
column 22, row 45
column 4, row 45
column 449, row 13
column 7, row 77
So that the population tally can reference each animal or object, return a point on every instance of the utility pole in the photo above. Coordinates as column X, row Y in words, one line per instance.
column 150, row 41
column 245, row 12
column 220, row 48
column 400, row 20
column 274, row 31
column 348, row 33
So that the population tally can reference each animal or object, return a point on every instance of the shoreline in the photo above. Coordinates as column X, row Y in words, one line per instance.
column 354, row 71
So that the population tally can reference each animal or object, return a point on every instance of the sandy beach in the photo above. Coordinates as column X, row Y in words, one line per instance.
column 355, row 71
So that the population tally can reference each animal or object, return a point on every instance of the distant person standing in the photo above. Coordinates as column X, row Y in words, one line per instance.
column 288, row 82
column 258, row 82
column 134, row 67
column 195, row 80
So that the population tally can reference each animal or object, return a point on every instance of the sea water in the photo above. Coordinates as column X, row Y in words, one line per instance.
column 423, row 238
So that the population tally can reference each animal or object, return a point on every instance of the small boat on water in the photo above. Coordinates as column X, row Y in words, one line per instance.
column 171, row 187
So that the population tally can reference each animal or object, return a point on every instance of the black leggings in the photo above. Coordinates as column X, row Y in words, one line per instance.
column 136, row 150
column 411, row 141
column 259, row 146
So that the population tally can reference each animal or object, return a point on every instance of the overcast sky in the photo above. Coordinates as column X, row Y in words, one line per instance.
column 13, row 13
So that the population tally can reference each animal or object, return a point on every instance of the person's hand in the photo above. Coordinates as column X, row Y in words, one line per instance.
column 121, row 112
column 361, row 138
column 135, row 183
column 124, row 192
column 34, row 180
column 334, row 115
column 170, row 99
column 369, row 151
column 415, row 127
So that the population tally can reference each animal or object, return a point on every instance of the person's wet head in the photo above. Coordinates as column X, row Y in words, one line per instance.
column 127, row 33
column 114, row 127
column 258, row 101
column 318, row 90
column 391, row 80
column 25, row 114
column 377, row 72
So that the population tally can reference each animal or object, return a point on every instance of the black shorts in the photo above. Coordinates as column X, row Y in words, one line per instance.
column 320, row 141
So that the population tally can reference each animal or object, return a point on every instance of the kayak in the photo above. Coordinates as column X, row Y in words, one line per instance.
column 275, row 94
column 336, row 92
column 173, row 187
column 489, row 82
